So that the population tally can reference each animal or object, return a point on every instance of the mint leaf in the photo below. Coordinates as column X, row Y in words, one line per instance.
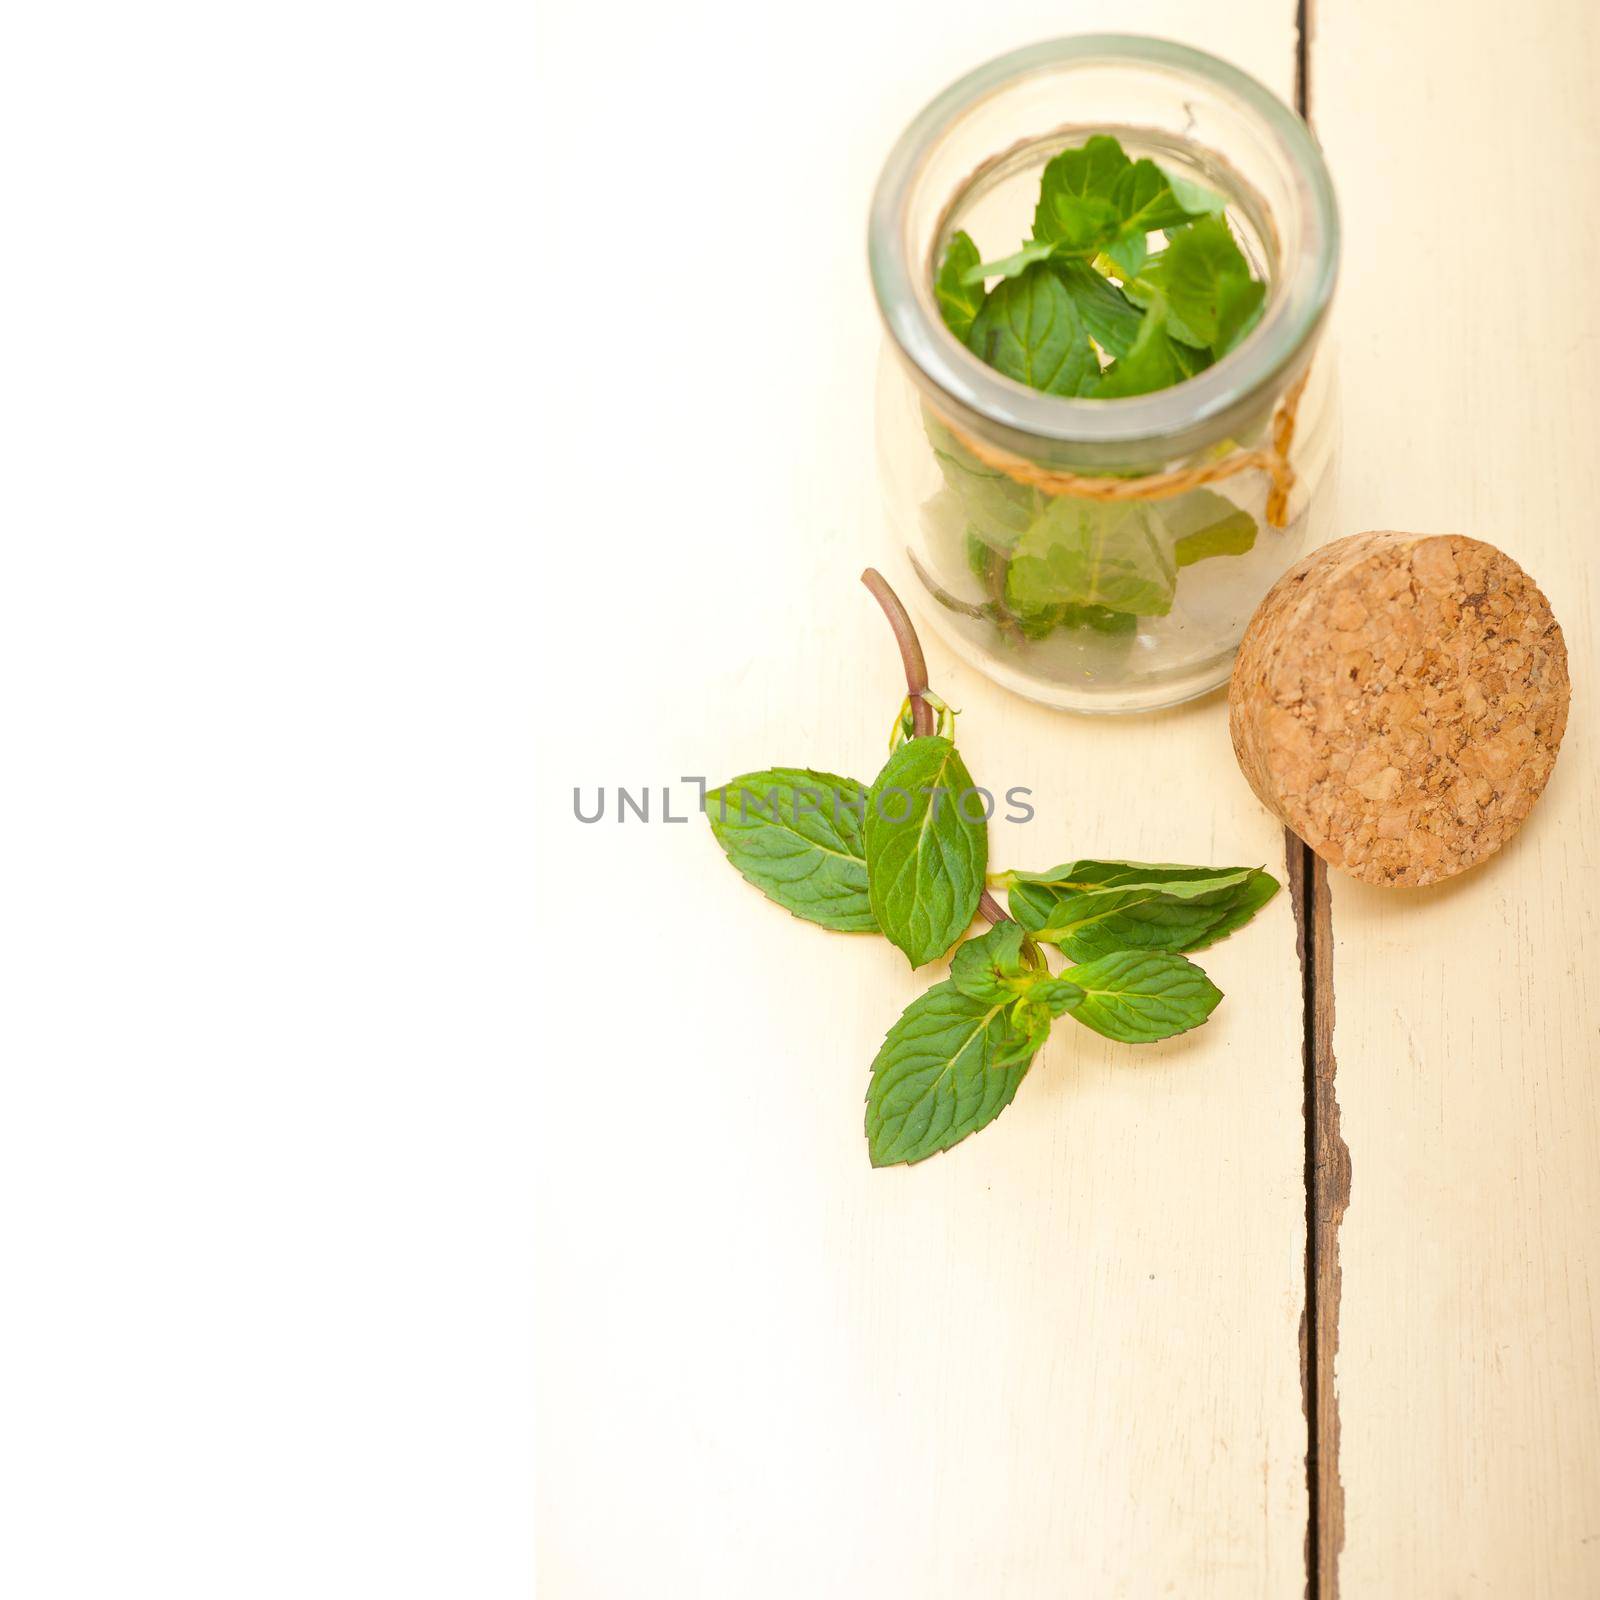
column 1042, row 1000
column 1189, row 359
column 1128, row 253
column 1203, row 524
column 1083, row 226
column 1085, row 553
column 1079, row 877
column 1099, row 922
column 981, row 966
column 1145, row 200
column 980, row 555
column 1029, row 329
column 1207, row 283
column 1012, row 266
column 1239, row 309
column 983, row 558
column 1032, row 894
column 1041, row 624
column 1149, row 290
column 1077, row 563
column 999, row 508
column 797, row 835
column 1056, row 995
column 1139, row 996
column 1092, row 908
column 1151, row 364
column 958, row 299
column 1112, row 319
column 925, row 853
column 1101, row 619
column 1195, row 198
column 1242, row 905
column 1078, row 183
column 935, row 1079
column 1030, row 1027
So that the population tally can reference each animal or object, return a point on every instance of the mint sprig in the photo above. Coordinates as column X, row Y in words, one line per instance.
column 820, row 845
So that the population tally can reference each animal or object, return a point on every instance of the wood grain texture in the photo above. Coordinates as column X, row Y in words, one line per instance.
column 1468, row 1015
column 1063, row 1358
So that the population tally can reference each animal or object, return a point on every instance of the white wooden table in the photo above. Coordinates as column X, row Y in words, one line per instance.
column 1088, row 1353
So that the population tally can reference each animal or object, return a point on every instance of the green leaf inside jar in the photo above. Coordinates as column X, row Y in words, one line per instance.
column 1131, row 283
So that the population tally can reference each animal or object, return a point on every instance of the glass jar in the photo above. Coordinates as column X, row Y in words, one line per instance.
column 1102, row 555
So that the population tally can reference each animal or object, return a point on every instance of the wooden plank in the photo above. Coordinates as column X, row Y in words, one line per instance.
column 1062, row 1359
column 1467, row 152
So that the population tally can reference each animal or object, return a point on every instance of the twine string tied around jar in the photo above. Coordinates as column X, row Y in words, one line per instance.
column 1271, row 458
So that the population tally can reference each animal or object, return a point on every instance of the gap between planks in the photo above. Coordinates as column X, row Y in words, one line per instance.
column 1327, row 1176
column 1327, row 1180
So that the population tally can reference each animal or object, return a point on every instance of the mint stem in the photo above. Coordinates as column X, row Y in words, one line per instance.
column 995, row 568
column 989, row 907
column 910, row 650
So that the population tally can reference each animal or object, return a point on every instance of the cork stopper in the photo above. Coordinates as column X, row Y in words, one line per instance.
column 1398, row 702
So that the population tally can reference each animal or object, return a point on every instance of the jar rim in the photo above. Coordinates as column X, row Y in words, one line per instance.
column 1262, row 359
